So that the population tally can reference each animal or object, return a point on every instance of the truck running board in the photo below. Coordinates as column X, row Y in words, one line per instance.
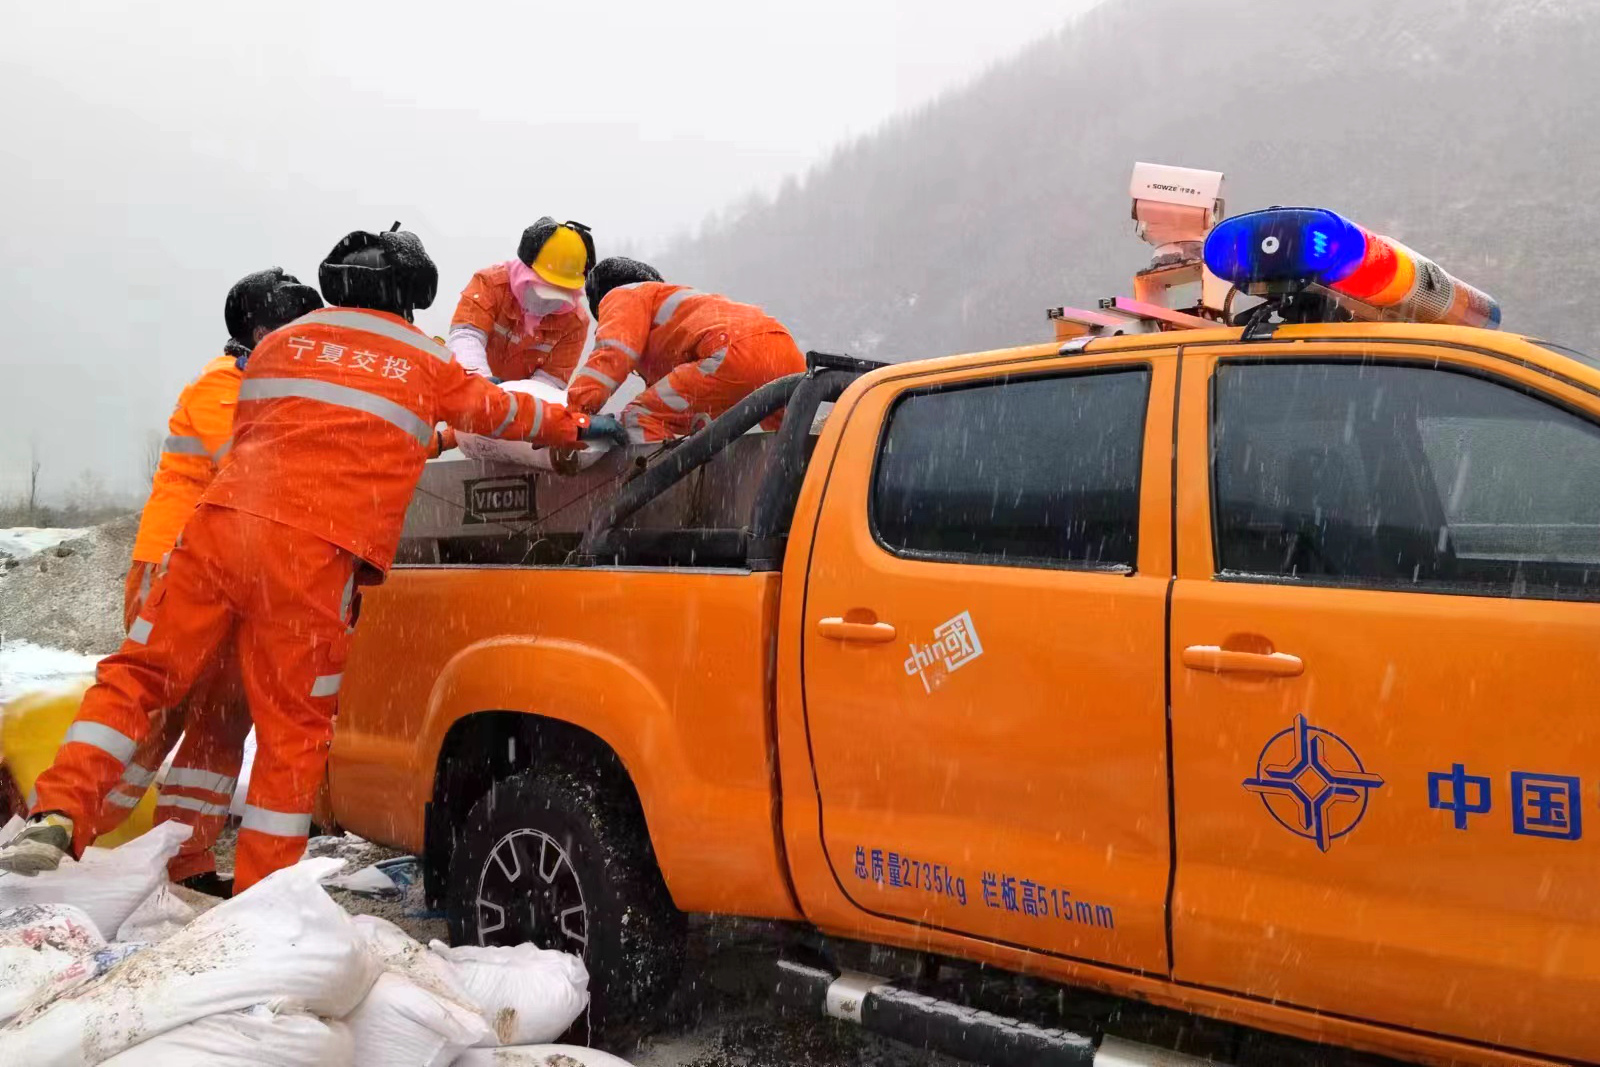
column 959, row 1031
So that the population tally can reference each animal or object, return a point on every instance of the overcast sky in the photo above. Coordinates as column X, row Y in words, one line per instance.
column 154, row 153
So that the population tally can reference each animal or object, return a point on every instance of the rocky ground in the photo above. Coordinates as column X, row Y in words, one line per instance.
column 69, row 596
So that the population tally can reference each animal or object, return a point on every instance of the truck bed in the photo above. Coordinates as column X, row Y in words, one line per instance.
column 469, row 511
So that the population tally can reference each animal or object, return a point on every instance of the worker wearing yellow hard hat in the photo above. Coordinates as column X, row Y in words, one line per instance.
column 525, row 318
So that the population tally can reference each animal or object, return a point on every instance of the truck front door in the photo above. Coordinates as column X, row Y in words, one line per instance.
column 983, row 654
column 1386, row 650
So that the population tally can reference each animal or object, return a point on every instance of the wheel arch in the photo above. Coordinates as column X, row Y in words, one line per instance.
column 508, row 704
column 593, row 705
column 484, row 747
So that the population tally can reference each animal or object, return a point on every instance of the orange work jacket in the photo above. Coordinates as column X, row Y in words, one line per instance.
column 652, row 327
column 336, row 412
column 198, row 435
column 489, row 306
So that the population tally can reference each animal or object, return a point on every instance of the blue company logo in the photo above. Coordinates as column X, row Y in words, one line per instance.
column 1312, row 783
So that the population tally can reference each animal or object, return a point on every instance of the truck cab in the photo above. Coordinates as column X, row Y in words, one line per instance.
column 1236, row 669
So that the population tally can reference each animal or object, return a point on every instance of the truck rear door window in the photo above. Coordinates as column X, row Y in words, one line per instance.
column 1022, row 471
column 1402, row 476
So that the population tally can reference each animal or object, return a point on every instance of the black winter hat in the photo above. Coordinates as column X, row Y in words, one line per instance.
column 387, row 271
column 267, row 298
column 610, row 273
column 534, row 237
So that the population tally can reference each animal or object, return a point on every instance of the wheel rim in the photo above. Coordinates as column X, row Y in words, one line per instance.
column 528, row 890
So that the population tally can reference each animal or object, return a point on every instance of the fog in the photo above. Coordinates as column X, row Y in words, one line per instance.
column 1464, row 128
column 155, row 153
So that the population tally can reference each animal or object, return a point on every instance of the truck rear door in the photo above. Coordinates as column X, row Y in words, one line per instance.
column 983, row 653
column 1386, row 650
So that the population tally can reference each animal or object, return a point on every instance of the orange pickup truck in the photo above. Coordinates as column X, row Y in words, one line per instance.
column 1244, row 677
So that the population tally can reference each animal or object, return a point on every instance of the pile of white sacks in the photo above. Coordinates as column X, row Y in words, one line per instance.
column 280, row 975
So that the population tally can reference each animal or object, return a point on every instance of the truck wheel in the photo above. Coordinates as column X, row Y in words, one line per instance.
column 12, row 802
column 558, row 859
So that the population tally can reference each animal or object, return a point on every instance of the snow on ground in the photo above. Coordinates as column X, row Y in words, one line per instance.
column 19, row 542
column 71, row 595
column 26, row 666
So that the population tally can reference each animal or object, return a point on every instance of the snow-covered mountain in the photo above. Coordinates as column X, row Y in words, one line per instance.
column 1470, row 129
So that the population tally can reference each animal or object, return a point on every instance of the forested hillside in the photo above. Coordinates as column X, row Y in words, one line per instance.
column 1470, row 129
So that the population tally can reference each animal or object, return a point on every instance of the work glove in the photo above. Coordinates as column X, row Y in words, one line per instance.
column 604, row 428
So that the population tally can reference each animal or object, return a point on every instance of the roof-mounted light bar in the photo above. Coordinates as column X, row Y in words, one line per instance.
column 1283, row 249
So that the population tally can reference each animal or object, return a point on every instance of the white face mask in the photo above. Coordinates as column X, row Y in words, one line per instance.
column 541, row 301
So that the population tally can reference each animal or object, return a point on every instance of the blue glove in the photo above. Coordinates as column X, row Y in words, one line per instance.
column 604, row 427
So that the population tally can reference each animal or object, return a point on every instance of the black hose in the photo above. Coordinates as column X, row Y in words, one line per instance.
column 780, row 489
column 687, row 457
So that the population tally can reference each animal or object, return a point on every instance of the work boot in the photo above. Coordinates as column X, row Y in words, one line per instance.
column 39, row 846
column 210, row 883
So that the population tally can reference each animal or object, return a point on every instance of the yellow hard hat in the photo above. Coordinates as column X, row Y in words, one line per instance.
column 561, row 253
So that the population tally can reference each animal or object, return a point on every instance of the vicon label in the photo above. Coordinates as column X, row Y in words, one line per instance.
column 499, row 499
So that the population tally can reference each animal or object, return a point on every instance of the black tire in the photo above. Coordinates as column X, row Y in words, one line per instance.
column 559, row 858
column 12, row 801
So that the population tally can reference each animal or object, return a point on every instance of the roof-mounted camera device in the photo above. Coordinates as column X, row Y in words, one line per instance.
column 1174, row 208
column 1302, row 264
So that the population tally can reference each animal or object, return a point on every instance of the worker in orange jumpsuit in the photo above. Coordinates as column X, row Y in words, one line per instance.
column 698, row 353
column 334, row 413
column 524, row 318
column 213, row 719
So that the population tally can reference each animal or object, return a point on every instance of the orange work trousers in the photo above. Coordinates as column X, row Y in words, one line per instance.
column 212, row 722
column 286, row 597
column 696, row 392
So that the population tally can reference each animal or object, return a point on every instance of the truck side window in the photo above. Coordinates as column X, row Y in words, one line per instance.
column 1403, row 477
column 1023, row 471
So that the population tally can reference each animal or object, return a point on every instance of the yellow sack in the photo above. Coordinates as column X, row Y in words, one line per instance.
column 31, row 729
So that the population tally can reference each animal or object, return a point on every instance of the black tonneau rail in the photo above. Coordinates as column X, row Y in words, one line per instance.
column 760, row 542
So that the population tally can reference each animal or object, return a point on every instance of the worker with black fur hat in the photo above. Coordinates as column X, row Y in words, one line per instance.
column 213, row 720
column 335, row 412
column 698, row 353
